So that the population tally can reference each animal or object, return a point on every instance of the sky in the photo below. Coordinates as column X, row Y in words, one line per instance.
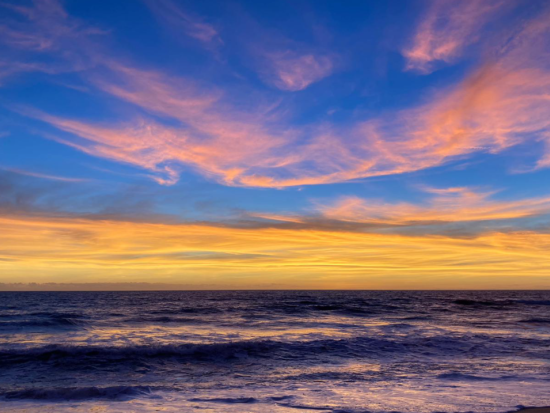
column 275, row 144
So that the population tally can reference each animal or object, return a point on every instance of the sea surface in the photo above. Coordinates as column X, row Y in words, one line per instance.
column 274, row 351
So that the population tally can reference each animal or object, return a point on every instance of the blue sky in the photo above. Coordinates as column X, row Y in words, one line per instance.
column 418, row 120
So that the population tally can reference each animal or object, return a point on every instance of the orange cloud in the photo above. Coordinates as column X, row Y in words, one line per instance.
column 38, row 249
column 447, row 205
column 492, row 110
column 447, row 29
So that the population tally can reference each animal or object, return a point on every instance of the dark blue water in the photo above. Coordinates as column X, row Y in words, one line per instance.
column 334, row 351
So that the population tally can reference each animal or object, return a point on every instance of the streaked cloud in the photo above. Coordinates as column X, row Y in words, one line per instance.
column 36, row 249
column 46, row 38
column 446, row 205
column 499, row 105
column 294, row 71
column 43, row 175
column 459, row 212
column 495, row 108
column 183, row 21
column 135, row 106
column 219, row 143
column 43, row 28
column 447, row 29
column 43, row 25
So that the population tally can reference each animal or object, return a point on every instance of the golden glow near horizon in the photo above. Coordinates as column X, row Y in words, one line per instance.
column 195, row 256
column 284, row 159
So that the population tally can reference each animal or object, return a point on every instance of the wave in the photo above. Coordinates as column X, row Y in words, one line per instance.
column 416, row 318
column 471, row 377
column 188, row 310
column 42, row 319
column 229, row 400
column 312, row 307
column 52, row 322
column 536, row 320
column 481, row 303
column 534, row 302
column 54, row 314
column 78, row 393
column 161, row 320
column 354, row 347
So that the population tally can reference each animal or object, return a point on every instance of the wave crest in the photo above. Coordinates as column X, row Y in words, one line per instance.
column 78, row 393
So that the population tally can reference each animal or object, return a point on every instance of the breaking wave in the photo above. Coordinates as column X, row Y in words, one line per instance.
column 354, row 347
column 78, row 393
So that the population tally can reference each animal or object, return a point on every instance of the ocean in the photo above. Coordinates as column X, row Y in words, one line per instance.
column 274, row 351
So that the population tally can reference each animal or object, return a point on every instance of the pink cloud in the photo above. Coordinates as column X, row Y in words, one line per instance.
column 213, row 138
column 162, row 150
column 495, row 108
column 445, row 205
column 45, row 29
column 293, row 71
column 193, row 26
column 447, row 29
column 45, row 26
column 499, row 105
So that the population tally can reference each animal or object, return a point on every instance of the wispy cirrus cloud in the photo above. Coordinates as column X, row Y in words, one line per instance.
column 47, row 38
column 185, row 22
column 447, row 29
column 43, row 175
column 460, row 204
column 293, row 71
column 499, row 105
column 222, row 145
column 458, row 212
column 495, row 108
column 45, row 26
column 166, row 124
column 454, row 212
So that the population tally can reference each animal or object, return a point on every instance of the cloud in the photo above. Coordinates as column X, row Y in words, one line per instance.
column 495, row 108
column 499, row 105
column 43, row 176
column 46, row 39
column 457, row 212
column 44, row 28
column 218, row 141
column 445, row 206
column 447, row 29
column 293, row 71
column 451, row 212
column 36, row 249
column 44, row 25
column 193, row 26
column 458, row 237
column 106, row 286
